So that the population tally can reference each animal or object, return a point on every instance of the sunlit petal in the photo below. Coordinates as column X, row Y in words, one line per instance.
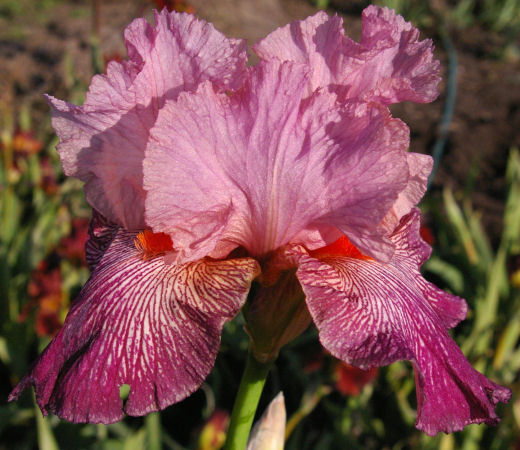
column 152, row 326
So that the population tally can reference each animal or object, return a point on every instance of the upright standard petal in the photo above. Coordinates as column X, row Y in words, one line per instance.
column 103, row 141
column 389, row 65
column 419, row 168
column 372, row 314
column 263, row 166
column 152, row 326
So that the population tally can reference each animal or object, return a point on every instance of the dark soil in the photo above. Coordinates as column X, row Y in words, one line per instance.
column 44, row 49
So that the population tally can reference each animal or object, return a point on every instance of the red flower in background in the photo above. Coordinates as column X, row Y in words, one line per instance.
column 45, row 286
column 174, row 5
column 351, row 380
column 426, row 234
column 72, row 247
column 213, row 434
column 48, row 182
column 112, row 57
column 25, row 142
column 46, row 296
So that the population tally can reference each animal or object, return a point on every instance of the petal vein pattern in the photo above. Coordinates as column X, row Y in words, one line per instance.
column 372, row 314
column 261, row 166
column 150, row 325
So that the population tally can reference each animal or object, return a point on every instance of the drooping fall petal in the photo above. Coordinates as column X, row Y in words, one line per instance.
column 263, row 167
column 152, row 326
column 389, row 65
column 103, row 141
column 372, row 314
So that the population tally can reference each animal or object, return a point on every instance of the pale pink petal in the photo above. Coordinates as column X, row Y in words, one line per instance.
column 317, row 42
column 152, row 326
column 372, row 314
column 364, row 174
column 389, row 65
column 228, row 153
column 398, row 66
column 419, row 168
column 260, row 166
column 103, row 141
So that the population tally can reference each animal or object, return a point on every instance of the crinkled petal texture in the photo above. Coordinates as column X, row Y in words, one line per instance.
column 419, row 168
column 150, row 325
column 103, row 141
column 372, row 314
column 265, row 166
column 389, row 65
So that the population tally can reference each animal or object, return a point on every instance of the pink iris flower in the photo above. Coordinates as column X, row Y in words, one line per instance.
column 206, row 176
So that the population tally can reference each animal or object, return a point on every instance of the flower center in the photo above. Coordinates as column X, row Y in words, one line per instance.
column 152, row 244
column 341, row 247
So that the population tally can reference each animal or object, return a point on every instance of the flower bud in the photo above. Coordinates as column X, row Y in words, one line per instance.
column 269, row 432
column 275, row 314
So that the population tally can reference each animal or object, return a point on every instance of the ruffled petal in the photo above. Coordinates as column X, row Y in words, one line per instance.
column 397, row 66
column 365, row 172
column 262, row 165
column 372, row 314
column 419, row 168
column 103, row 141
column 149, row 325
column 317, row 42
column 389, row 65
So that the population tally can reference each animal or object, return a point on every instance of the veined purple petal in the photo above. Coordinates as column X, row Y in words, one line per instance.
column 262, row 167
column 153, row 326
column 103, row 141
column 101, row 232
column 389, row 65
column 372, row 314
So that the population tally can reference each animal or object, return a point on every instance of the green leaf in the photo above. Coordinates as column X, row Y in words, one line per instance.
column 46, row 439
column 447, row 272
column 457, row 220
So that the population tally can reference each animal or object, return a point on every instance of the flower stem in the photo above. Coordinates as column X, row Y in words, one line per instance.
column 244, row 410
column 153, row 430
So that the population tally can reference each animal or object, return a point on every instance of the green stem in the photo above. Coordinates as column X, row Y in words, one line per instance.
column 46, row 439
column 244, row 410
column 153, row 430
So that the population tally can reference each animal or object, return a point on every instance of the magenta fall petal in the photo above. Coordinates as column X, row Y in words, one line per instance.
column 371, row 314
column 152, row 326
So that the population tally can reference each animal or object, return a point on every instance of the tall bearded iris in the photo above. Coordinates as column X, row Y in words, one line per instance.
column 287, row 185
